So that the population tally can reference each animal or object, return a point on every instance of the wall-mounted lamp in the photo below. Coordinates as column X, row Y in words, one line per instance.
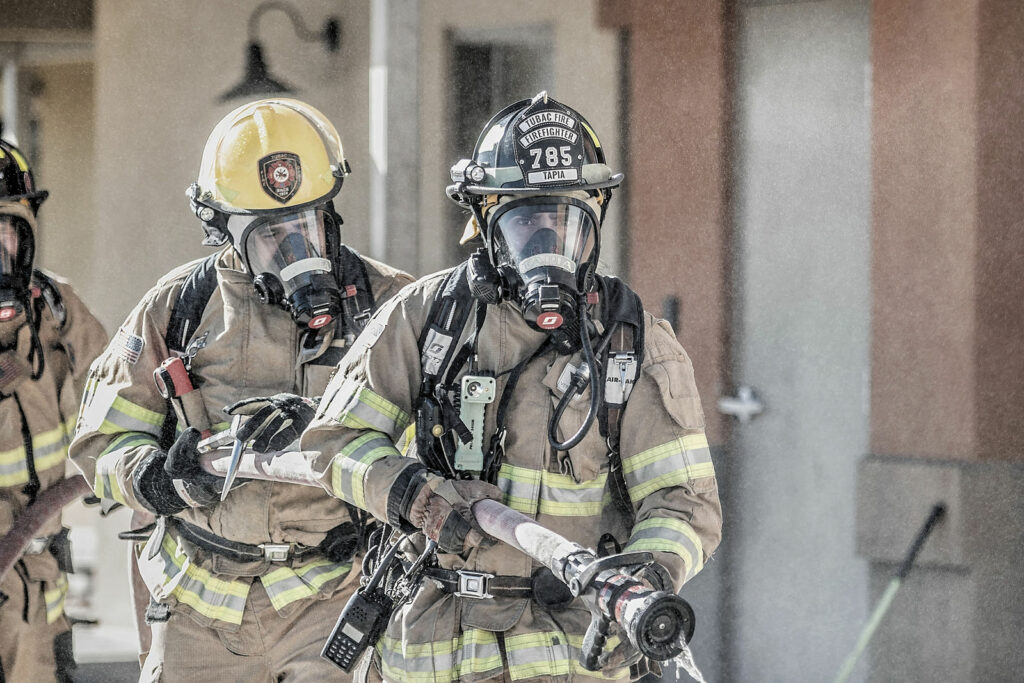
column 257, row 79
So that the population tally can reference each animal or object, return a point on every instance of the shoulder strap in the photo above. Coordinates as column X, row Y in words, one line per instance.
column 357, row 300
column 622, row 314
column 192, row 298
column 51, row 294
column 447, row 317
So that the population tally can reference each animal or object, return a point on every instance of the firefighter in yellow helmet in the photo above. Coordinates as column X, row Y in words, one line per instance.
column 47, row 340
column 245, row 584
column 524, row 376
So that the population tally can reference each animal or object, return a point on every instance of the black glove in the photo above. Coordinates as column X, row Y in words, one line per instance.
column 201, row 489
column 153, row 486
column 274, row 421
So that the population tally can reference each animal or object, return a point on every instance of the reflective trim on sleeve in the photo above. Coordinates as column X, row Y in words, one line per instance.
column 54, row 595
column 285, row 585
column 125, row 416
column 349, row 466
column 105, row 484
column 671, row 464
column 208, row 595
column 362, row 408
column 669, row 535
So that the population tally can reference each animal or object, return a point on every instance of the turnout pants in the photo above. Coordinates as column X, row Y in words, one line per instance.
column 31, row 649
column 267, row 648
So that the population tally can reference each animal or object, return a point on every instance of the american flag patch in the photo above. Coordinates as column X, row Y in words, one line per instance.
column 129, row 346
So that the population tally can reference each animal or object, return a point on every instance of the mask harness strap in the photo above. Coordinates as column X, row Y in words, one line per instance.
column 34, row 311
column 588, row 372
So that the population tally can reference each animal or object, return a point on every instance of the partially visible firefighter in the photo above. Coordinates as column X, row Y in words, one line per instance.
column 47, row 339
column 524, row 376
column 243, row 586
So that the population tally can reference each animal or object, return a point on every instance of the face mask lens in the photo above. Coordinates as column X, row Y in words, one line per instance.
column 10, row 239
column 545, row 234
column 290, row 247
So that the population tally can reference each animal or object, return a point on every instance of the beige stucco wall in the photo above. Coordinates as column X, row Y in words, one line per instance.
column 586, row 77
column 160, row 68
column 65, row 168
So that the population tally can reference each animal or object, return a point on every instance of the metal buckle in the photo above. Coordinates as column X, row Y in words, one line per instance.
column 473, row 584
column 37, row 546
column 275, row 552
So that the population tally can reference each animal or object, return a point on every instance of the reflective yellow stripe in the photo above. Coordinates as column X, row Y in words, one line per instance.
column 349, row 466
column 670, row 535
column 675, row 463
column 199, row 589
column 473, row 652
column 534, row 491
column 362, row 408
column 54, row 598
column 105, row 483
column 49, row 449
column 286, row 585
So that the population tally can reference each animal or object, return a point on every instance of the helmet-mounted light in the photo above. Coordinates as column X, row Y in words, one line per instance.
column 467, row 170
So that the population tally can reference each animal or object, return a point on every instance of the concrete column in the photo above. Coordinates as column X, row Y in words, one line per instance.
column 394, row 132
column 947, row 372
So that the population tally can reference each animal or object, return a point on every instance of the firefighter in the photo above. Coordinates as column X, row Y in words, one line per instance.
column 590, row 421
column 47, row 340
column 244, row 585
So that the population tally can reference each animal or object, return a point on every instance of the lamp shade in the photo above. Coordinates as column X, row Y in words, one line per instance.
column 257, row 80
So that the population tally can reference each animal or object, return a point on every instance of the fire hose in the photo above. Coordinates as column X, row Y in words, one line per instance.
column 46, row 505
column 658, row 623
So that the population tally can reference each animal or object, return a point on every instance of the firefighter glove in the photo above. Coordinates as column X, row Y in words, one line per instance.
column 442, row 510
column 154, row 488
column 194, row 485
column 274, row 421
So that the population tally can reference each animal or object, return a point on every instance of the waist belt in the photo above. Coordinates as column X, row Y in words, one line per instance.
column 241, row 552
column 467, row 584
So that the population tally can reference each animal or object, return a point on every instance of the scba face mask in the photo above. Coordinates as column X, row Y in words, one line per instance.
column 291, row 258
column 545, row 249
column 17, row 247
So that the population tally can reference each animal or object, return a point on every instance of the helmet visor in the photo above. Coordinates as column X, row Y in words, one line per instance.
column 291, row 247
column 546, row 231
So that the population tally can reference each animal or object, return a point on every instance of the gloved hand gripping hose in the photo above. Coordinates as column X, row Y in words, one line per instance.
column 589, row 372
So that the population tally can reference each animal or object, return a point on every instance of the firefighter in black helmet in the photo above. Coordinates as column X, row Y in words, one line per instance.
column 47, row 340
column 521, row 375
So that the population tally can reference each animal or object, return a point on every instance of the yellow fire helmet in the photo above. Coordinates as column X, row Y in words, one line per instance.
column 266, row 157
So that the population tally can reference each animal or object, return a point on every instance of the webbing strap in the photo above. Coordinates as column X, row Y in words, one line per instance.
column 188, row 308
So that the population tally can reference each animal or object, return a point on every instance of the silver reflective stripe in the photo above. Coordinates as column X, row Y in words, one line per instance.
column 553, row 260
column 474, row 652
column 304, row 266
column 667, row 534
column 351, row 464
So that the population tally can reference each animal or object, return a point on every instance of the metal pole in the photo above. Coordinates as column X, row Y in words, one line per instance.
column 882, row 607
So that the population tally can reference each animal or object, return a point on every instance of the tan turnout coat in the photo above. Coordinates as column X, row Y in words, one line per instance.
column 368, row 407
column 241, row 348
